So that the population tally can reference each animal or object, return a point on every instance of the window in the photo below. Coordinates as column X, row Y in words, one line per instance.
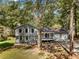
column 20, row 30
column 32, row 30
column 20, row 37
column 26, row 37
column 26, row 30
column 51, row 34
column 46, row 35
column 17, row 37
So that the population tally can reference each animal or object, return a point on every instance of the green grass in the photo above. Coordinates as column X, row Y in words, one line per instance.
column 7, row 43
column 19, row 54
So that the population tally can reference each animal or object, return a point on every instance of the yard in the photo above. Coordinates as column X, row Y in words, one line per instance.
column 20, row 54
column 16, row 53
column 28, row 53
column 33, row 53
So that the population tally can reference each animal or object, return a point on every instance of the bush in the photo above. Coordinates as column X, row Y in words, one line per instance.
column 5, row 45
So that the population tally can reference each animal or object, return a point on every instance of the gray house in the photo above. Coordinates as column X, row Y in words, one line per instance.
column 60, row 35
column 25, row 34
column 46, row 34
column 54, row 34
column 29, row 34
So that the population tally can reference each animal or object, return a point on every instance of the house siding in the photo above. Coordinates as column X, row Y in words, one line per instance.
column 30, row 36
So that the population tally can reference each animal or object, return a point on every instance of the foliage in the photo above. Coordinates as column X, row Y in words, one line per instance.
column 52, row 11
column 11, row 15
column 7, row 43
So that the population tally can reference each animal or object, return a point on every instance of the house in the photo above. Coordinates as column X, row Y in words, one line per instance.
column 54, row 34
column 60, row 35
column 26, row 34
column 46, row 34
column 29, row 34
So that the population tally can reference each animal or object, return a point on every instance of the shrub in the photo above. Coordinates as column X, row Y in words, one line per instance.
column 5, row 45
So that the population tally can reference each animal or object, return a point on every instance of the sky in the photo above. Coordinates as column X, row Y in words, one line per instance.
column 33, row 1
column 4, row 1
column 42, row 1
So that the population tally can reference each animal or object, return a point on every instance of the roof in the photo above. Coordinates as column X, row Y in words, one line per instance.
column 60, row 31
column 24, row 26
column 46, row 29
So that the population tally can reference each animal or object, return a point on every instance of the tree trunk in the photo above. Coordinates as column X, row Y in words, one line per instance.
column 39, row 19
column 72, row 28
column 39, row 40
column 75, row 16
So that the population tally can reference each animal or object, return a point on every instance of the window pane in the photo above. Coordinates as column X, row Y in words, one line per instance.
column 32, row 30
column 26, row 30
column 20, row 37
column 20, row 30
column 17, row 37
column 46, row 35
column 26, row 37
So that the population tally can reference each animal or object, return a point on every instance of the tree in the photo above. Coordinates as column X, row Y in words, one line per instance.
column 68, row 10
column 43, row 13
column 11, row 15
column 72, row 25
column 38, row 17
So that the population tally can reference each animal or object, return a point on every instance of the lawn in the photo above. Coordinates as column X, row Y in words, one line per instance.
column 20, row 54
column 16, row 53
column 26, row 53
column 32, row 53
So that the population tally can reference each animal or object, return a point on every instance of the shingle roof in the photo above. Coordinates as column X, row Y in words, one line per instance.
column 61, row 31
column 24, row 26
column 46, row 29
